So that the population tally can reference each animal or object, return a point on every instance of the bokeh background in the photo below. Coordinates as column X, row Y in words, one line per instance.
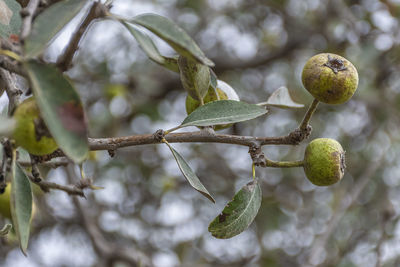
column 258, row 46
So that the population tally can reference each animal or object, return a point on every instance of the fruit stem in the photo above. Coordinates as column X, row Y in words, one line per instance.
column 283, row 164
column 309, row 113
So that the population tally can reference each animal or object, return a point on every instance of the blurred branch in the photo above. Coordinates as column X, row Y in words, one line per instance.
column 222, row 64
column 108, row 252
column 11, row 66
column 320, row 242
column 97, row 10
column 50, row 164
column 27, row 15
column 10, row 82
column 72, row 190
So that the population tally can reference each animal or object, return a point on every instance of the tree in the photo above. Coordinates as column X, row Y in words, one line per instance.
column 139, row 174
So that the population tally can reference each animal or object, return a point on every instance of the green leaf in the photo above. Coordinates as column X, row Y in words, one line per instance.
column 61, row 109
column 176, row 37
column 10, row 20
column 150, row 48
column 281, row 99
column 195, row 77
column 239, row 213
column 21, row 205
column 5, row 230
column 49, row 23
column 190, row 176
column 7, row 125
column 223, row 112
column 213, row 80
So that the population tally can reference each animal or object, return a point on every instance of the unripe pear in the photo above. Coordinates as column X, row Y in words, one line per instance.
column 30, row 130
column 5, row 211
column 224, row 91
column 324, row 161
column 330, row 78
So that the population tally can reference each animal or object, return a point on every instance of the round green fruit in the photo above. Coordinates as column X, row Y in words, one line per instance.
column 330, row 78
column 224, row 91
column 30, row 130
column 5, row 210
column 324, row 161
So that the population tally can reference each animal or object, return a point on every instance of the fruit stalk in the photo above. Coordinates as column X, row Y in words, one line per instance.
column 309, row 113
column 283, row 164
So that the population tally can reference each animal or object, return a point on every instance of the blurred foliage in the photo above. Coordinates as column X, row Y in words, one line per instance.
column 258, row 46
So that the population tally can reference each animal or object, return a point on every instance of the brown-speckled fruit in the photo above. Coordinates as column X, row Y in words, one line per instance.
column 330, row 78
column 30, row 131
column 324, row 161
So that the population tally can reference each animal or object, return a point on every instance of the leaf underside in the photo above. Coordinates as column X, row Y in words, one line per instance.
column 189, row 174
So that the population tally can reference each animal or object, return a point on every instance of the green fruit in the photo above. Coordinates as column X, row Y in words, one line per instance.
column 30, row 131
column 330, row 78
column 324, row 161
column 5, row 210
column 224, row 91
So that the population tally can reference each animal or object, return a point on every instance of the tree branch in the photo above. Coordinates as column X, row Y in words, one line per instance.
column 11, row 66
column 27, row 13
column 12, row 90
column 97, row 10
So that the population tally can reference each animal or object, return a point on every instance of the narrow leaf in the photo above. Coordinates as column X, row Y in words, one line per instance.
column 195, row 77
column 239, row 213
column 10, row 20
column 150, row 48
column 61, row 109
column 49, row 23
column 176, row 37
column 190, row 176
column 223, row 112
column 281, row 99
column 5, row 230
column 21, row 205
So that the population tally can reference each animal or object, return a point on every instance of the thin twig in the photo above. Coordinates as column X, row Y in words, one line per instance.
column 27, row 14
column 11, row 66
column 46, row 186
column 306, row 120
column 97, row 10
column 13, row 93
column 50, row 164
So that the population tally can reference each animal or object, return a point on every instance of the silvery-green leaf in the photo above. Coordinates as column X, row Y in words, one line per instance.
column 281, row 99
column 150, row 48
column 175, row 36
column 189, row 174
column 239, row 213
column 49, row 23
column 223, row 112
column 21, row 205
